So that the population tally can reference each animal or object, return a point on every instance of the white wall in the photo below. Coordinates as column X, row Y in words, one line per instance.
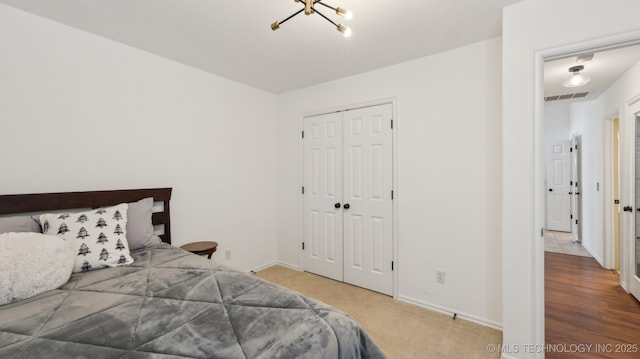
column 622, row 90
column 528, row 27
column 448, row 131
column 557, row 116
column 80, row 112
column 590, row 127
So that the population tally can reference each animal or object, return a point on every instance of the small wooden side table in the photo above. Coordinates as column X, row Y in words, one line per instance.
column 201, row 248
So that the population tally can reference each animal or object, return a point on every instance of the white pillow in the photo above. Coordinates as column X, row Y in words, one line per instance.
column 32, row 263
column 98, row 237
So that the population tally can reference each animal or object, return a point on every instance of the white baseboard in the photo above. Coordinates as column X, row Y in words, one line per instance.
column 264, row 266
column 598, row 259
column 624, row 286
column 288, row 265
column 443, row 310
column 273, row 263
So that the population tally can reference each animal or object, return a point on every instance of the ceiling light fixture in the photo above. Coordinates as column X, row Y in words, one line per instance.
column 577, row 78
column 309, row 8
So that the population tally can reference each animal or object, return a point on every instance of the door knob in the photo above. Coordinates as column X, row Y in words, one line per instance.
column 346, row 206
column 337, row 205
column 627, row 209
column 550, row 189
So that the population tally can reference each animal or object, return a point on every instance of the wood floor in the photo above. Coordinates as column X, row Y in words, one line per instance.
column 585, row 305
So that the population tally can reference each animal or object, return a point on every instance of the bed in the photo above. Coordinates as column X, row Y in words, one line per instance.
column 168, row 303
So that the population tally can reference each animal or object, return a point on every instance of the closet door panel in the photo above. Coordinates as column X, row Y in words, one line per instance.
column 322, row 221
column 368, row 222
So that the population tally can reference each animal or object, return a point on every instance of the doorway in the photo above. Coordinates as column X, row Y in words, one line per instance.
column 604, row 168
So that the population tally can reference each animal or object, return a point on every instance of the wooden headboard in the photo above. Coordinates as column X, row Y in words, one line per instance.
column 42, row 202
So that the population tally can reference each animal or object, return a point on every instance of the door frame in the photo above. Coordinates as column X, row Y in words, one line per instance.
column 395, row 184
column 608, row 195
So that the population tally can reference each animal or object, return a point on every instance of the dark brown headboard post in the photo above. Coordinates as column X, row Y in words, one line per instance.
column 167, row 223
column 41, row 202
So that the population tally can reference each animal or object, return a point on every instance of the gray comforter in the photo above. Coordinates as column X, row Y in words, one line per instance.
column 173, row 304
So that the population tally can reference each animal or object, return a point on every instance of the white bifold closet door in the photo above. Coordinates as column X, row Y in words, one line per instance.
column 348, row 211
column 322, row 191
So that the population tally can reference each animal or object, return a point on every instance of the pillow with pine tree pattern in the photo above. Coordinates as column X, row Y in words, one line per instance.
column 98, row 236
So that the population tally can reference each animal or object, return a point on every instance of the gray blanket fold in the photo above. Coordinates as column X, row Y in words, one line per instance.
column 173, row 304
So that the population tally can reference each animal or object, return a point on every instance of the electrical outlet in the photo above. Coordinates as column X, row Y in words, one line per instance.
column 227, row 254
column 440, row 276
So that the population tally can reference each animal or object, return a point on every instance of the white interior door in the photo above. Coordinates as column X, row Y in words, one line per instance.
column 558, row 187
column 322, row 221
column 575, row 191
column 368, row 208
column 630, row 187
column 635, row 241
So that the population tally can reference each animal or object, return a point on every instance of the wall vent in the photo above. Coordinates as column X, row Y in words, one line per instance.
column 566, row 96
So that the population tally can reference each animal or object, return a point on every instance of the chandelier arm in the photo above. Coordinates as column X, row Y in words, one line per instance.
column 325, row 5
column 326, row 18
column 294, row 14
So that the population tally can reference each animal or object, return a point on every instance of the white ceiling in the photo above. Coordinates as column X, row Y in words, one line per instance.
column 233, row 39
column 606, row 67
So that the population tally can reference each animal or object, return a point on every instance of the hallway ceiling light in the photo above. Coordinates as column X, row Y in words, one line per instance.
column 309, row 8
column 577, row 78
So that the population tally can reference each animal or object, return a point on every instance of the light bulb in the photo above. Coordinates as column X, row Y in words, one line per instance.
column 575, row 81
column 577, row 78
column 345, row 30
column 348, row 15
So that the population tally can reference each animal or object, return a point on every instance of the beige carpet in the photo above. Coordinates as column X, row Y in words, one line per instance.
column 402, row 330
